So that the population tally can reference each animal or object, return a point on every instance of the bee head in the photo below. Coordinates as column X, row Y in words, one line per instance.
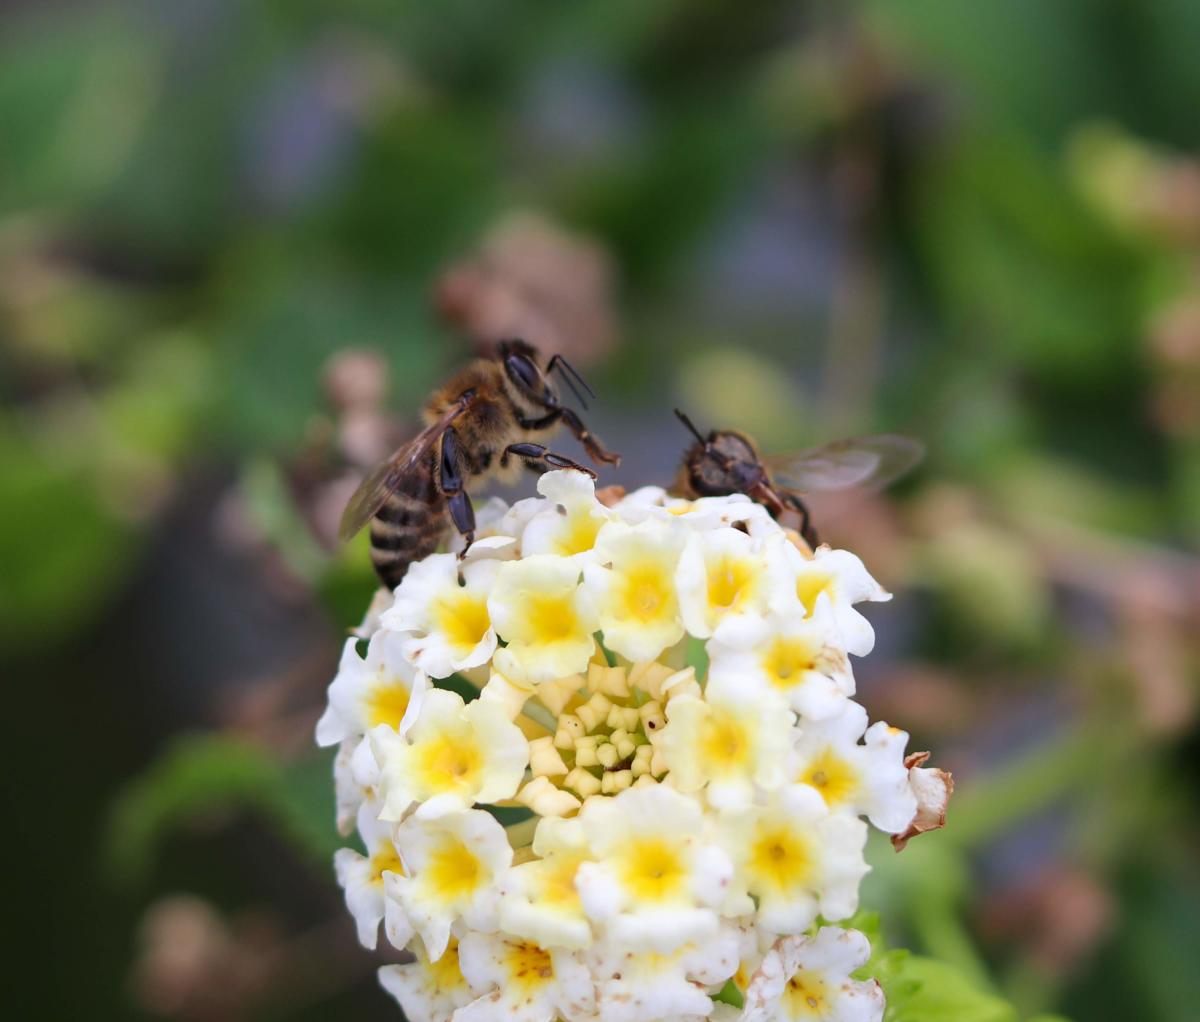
column 525, row 381
column 721, row 462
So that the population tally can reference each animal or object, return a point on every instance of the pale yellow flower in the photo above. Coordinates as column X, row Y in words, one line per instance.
column 795, row 858
column 729, row 742
column 455, row 754
column 656, row 879
column 445, row 623
column 635, row 594
column 543, row 614
column 456, row 864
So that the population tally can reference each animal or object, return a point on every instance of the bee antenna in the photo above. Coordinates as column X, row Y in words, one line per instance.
column 691, row 426
column 570, row 376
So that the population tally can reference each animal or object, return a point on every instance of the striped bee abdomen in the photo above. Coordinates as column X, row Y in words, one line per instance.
column 409, row 526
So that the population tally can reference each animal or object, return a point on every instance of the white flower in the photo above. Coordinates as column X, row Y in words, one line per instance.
column 635, row 595
column 633, row 986
column 355, row 777
column 540, row 901
column 869, row 780
column 800, row 660
column 383, row 688
column 520, row 981
column 569, row 525
column 456, row 864
column 796, row 859
column 656, row 878
column 540, row 610
column 836, row 574
column 456, row 754
column 807, row 979
column 723, row 586
column 729, row 740
column 447, row 624
column 428, row 991
column 497, row 527
column 361, row 877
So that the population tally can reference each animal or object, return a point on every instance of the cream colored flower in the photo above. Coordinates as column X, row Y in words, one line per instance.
column 796, row 859
column 361, row 877
column 428, row 991
column 455, row 754
column 569, row 525
column 518, row 980
column 635, row 594
column 656, row 878
column 543, row 614
column 355, row 780
column 382, row 688
column 540, row 901
column 808, row 979
column 800, row 659
column 640, row 986
column 724, row 586
column 446, row 624
column 835, row 574
column 729, row 741
column 865, row 780
column 456, row 864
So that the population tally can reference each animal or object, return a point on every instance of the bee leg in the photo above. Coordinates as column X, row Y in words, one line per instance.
column 807, row 530
column 536, row 457
column 590, row 443
column 450, row 482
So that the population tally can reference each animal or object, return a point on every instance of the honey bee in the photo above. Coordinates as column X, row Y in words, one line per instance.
column 481, row 424
column 726, row 462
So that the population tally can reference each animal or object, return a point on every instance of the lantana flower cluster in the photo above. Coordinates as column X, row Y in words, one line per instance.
column 607, row 765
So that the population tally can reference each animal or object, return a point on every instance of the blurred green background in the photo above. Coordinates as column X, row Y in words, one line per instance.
column 240, row 241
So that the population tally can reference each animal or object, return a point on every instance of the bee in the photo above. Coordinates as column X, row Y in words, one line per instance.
column 483, row 423
column 726, row 462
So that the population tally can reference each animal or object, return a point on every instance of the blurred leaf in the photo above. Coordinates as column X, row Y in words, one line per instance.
column 62, row 551
column 202, row 774
column 925, row 990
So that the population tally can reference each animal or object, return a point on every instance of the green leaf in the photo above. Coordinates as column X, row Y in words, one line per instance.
column 924, row 990
column 200, row 775
column 730, row 994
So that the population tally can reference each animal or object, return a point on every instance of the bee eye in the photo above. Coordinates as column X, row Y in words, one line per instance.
column 522, row 372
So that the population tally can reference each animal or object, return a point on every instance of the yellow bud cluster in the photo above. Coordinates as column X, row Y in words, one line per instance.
column 606, row 739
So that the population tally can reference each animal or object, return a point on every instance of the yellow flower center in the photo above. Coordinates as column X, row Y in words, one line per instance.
column 580, row 533
column 728, row 582
column 386, row 860
column 654, row 870
column 551, row 618
column 804, row 996
column 786, row 660
column 724, row 742
column 558, row 881
column 453, row 872
column 449, row 762
column 832, row 776
column 445, row 973
column 779, row 859
column 387, row 704
column 463, row 619
column 810, row 585
column 528, row 965
column 648, row 592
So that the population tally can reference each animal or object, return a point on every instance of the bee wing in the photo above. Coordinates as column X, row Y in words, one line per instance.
column 383, row 479
column 872, row 461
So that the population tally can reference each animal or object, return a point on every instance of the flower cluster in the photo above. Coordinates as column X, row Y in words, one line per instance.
column 607, row 765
